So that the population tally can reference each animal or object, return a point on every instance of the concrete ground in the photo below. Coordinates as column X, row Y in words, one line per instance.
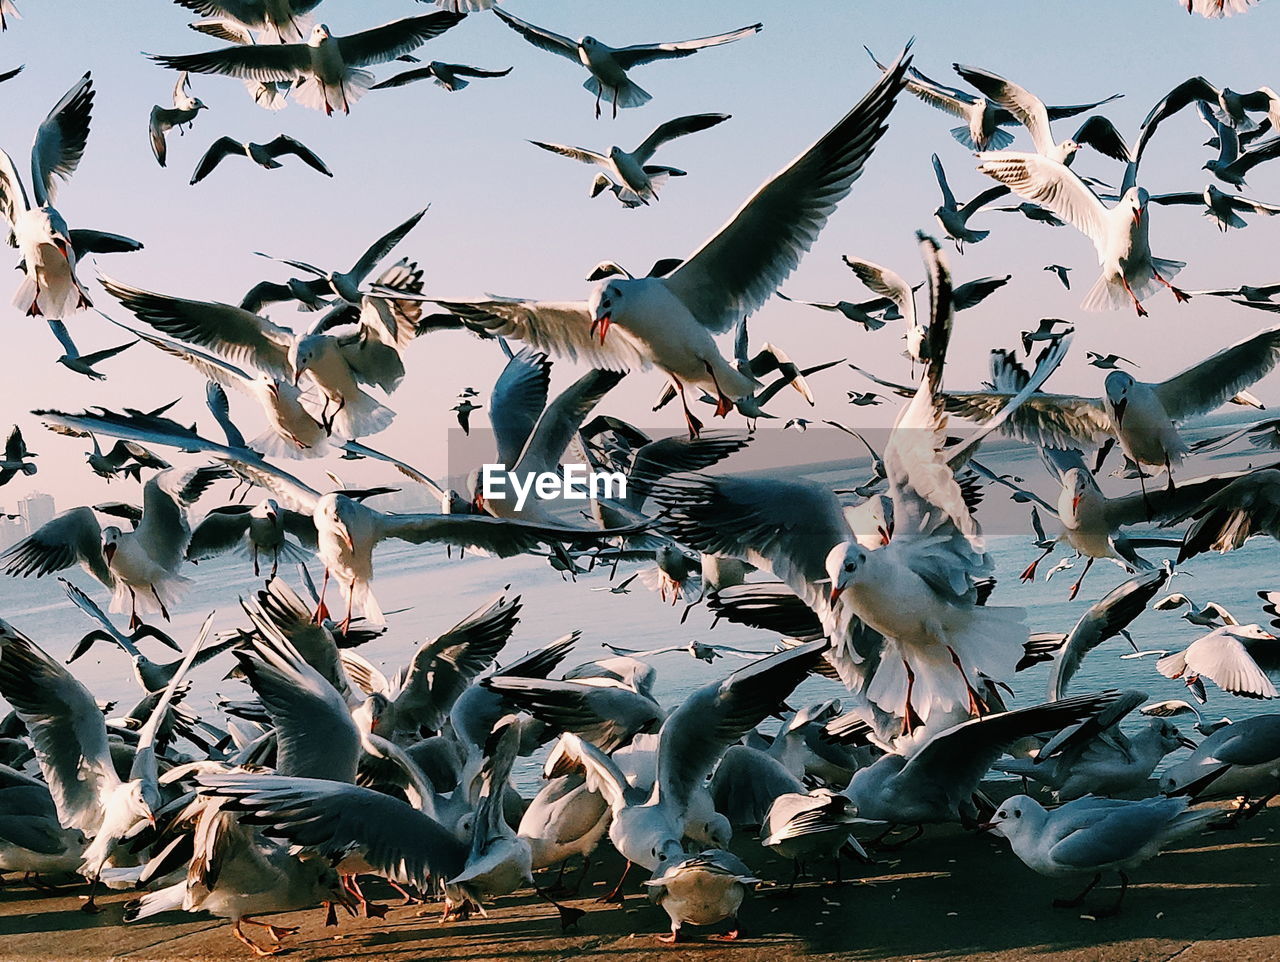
column 950, row 895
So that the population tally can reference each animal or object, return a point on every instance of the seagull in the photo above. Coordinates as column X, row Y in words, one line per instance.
column 607, row 65
column 1107, row 362
column 668, row 321
column 183, row 112
column 1212, row 615
column 343, row 284
column 1223, row 208
column 16, row 458
column 1231, row 165
column 8, row 9
column 861, row 399
column 863, row 312
column 450, row 76
column 70, row 740
column 1169, row 709
column 116, row 462
column 983, row 118
column 1228, row 109
column 698, row 649
column 1242, row 758
column 73, row 360
column 1094, row 835
column 702, row 889
column 269, row 95
column 1213, row 9
column 280, row 21
column 1130, row 273
column 325, row 69
column 1045, row 332
column 629, row 170
column 264, row 155
column 1228, row 657
column 934, row 633
column 890, row 285
column 51, row 287
column 1246, row 293
column 463, row 409
column 1030, row 111
column 262, row 529
column 140, row 566
column 800, row 825
column 954, row 218
column 623, row 587
column 1061, row 273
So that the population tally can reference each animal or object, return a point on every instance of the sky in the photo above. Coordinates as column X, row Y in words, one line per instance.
column 508, row 218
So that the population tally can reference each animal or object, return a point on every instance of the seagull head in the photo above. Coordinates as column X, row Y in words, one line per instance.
column 268, row 508
column 602, row 306
column 319, row 34
column 1117, row 387
column 198, row 104
column 1078, row 484
column 110, row 541
column 1016, row 815
column 1248, row 632
column 843, row 563
column 1137, row 198
column 1170, row 738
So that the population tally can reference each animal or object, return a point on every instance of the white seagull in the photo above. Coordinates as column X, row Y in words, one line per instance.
column 609, row 65
column 182, row 113
column 669, row 321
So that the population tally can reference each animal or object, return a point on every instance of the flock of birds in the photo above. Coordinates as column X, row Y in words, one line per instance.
column 329, row 769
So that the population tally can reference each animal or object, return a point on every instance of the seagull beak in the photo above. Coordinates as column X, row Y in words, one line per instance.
column 602, row 324
column 61, row 244
column 987, row 826
column 109, row 552
column 479, row 503
column 1137, row 215
column 884, row 535
column 835, row 595
column 1119, row 409
column 1186, row 742
column 1075, row 503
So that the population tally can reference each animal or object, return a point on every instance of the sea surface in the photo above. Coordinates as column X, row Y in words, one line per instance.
column 429, row 591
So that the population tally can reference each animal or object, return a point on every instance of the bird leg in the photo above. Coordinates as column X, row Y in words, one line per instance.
column 582, row 875
column 90, row 906
column 245, row 940
column 616, row 895
column 1075, row 588
column 409, row 897
column 599, row 94
column 34, row 309
column 569, row 916
column 674, row 937
column 1029, row 572
column 331, row 915
column 615, row 103
column 910, row 720
column 351, row 592
column 695, row 426
column 977, row 707
column 134, row 620
column 275, row 563
column 1168, row 470
column 321, row 611
column 1181, row 296
column 1073, row 902
column 733, row 935
column 1137, row 304
column 902, row 842
column 163, row 610
column 724, row 404
column 1114, row 908
column 276, row 932
column 255, row 562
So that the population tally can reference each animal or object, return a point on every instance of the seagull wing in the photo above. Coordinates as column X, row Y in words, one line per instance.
column 561, row 419
column 395, row 39
column 1224, row 660
column 221, row 148
column 563, row 328
column 580, row 154
column 284, row 144
column 948, row 198
column 73, row 537
column 1204, row 386
column 1026, row 107
column 61, row 139
column 13, row 195
column 673, row 129
column 383, row 246
column 65, row 726
column 540, row 37
column 239, row 336
column 695, row 736
column 633, row 56
column 266, row 62
column 518, row 398
column 741, row 266
column 1051, row 185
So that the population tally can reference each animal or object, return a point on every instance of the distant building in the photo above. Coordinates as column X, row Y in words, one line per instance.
column 36, row 509
column 12, row 530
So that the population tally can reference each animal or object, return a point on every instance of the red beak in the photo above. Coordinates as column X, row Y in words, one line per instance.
column 109, row 552
column 1075, row 502
column 602, row 324
column 479, row 503
column 835, row 595
column 62, row 248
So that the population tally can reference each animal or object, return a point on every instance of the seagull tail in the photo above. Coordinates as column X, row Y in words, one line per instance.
column 273, row 445
column 999, row 139
column 628, row 94
column 362, row 415
column 168, row 899
column 1232, row 219
column 268, row 96
column 1108, row 294
column 1190, row 822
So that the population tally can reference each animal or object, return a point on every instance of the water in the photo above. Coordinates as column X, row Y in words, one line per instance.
column 436, row 591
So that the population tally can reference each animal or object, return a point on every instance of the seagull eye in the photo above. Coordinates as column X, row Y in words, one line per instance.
column 848, row 566
column 1017, row 813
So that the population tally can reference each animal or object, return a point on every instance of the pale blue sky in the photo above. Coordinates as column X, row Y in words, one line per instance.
column 508, row 218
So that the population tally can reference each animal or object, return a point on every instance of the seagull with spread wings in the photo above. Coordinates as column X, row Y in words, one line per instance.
column 630, row 171
column 264, row 155
column 669, row 321
column 609, row 65
column 182, row 113
column 325, row 69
